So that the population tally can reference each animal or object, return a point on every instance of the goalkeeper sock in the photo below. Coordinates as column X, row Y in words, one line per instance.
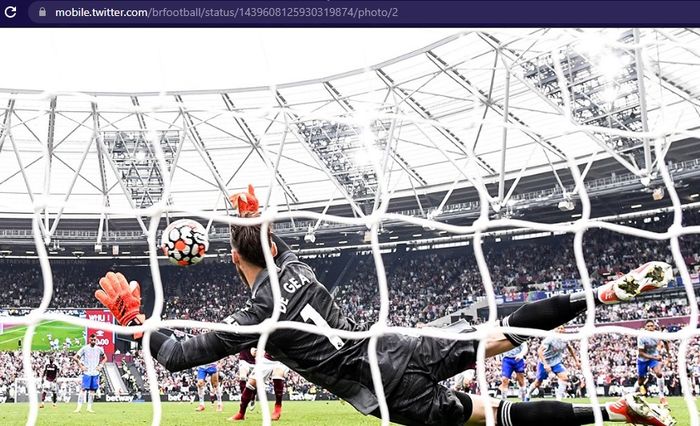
column 54, row 397
column 278, row 385
column 43, row 396
column 544, row 314
column 559, row 413
column 247, row 396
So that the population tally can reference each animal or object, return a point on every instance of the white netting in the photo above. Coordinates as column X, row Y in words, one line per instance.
column 657, row 135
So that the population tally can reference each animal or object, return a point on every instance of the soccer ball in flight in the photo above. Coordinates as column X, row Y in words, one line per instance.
column 184, row 242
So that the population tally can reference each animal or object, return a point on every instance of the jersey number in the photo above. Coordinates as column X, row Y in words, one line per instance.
column 309, row 313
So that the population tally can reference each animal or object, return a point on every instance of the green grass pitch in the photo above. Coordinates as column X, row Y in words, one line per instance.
column 175, row 413
column 57, row 329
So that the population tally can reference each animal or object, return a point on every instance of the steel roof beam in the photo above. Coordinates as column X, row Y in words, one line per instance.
column 460, row 79
column 100, row 142
column 297, row 134
column 254, row 142
column 513, row 56
column 347, row 106
column 191, row 129
column 49, row 148
column 425, row 114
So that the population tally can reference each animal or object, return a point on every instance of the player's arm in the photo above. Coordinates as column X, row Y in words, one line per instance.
column 123, row 299
column 79, row 360
column 248, row 206
column 540, row 354
column 103, row 360
column 573, row 354
column 523, row 352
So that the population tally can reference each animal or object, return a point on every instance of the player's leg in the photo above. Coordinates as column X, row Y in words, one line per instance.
column 247, row 397
column 563, row 381
column 550, row 313
column 82, row 395
column 507, row 367
column 660, row 382
column 278, row 374
column 503, row 387
column 243, row 373
column 642, row 367
column 541, row 375
column 43, row 396
column 54, row 393
column 629, row 409
column 520, row 378
column 94, row 385
column 201, row 387
column 216, row 388
column 522, row 385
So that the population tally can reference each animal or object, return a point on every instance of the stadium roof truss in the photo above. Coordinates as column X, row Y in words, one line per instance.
column 483, row 108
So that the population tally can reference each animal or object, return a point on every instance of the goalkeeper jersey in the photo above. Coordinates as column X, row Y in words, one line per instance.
column 339, row 365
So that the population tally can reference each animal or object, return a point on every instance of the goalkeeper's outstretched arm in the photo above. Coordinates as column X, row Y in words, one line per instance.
column 123, row 299
column 199, row 350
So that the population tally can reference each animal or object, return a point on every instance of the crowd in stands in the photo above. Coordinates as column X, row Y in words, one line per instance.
column 423, row 286
column 612, row 360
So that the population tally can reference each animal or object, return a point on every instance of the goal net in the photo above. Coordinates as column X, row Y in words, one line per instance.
column 474, row 114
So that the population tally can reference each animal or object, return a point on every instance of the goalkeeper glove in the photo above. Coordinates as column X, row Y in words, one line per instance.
column 122, row 299
column 245, row 202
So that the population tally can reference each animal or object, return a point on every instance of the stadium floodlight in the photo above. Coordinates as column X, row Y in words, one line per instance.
column 658, row 193
column 598, row 72
column 566, row 205
column 310, row 237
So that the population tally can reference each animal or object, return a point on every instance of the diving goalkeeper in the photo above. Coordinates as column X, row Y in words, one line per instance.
column 411, row 367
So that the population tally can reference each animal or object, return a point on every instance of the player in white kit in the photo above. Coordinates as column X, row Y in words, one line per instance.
column 91, row 359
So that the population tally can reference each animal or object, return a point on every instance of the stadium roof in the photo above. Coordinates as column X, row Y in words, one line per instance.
column 483, row 106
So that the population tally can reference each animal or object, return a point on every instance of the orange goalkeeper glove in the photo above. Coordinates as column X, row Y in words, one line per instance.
column 123, row 299
column 245, row 202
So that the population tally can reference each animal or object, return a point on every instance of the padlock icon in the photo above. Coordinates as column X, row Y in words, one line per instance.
column 42, row 11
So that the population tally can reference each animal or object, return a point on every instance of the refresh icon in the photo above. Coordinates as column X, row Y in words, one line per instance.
column 10, row 12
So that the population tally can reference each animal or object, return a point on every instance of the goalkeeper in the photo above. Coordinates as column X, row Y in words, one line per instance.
column 411, row 367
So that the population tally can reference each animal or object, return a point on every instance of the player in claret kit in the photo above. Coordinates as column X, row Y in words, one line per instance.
column 411, row 367
column 50, row 384
column 268, row 368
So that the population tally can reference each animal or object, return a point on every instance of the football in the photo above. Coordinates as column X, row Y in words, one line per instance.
column 184, row 242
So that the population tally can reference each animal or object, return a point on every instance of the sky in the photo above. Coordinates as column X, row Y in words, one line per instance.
column 150, row 59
